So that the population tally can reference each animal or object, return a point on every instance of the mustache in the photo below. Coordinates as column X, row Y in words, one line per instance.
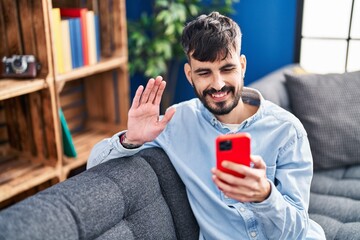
column 223, row 89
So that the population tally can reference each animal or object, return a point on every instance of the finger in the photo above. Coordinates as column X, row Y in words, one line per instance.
column 155, row 89
column 168, row 115
column 136, row 99
column 241, row 169
column 236, row 167
column 148, row 89
column 225, row 177
column 258, row 162
column 228, row 188
column 159, row 93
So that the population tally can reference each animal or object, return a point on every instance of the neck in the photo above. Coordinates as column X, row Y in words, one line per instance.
column 239, row 114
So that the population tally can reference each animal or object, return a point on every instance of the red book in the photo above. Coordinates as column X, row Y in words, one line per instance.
column 81, row 13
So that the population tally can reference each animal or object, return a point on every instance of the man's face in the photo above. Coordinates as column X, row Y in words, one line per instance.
column 218, row 84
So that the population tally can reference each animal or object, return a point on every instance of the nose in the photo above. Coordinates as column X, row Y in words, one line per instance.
column 218, row 82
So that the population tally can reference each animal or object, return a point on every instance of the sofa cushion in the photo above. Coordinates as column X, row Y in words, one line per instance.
column 272, row 85
column 335, row 229
column 342, row 182
column 328, row 107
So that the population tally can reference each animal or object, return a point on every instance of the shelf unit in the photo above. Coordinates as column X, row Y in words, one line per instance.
column 94, row 99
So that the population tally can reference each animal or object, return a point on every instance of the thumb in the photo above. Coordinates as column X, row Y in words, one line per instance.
column 168, row 115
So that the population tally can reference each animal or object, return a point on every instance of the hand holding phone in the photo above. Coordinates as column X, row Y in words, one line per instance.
column 234, row 148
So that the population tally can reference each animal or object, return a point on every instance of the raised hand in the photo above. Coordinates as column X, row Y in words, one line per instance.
column 143, row 117
column 254, row 187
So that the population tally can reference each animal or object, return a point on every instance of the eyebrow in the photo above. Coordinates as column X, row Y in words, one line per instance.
column 229, row 65
column 201, row 70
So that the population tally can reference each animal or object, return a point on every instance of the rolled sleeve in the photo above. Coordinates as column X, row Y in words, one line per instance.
column 109, row 148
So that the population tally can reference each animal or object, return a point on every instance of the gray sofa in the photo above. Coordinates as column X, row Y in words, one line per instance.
column 139, row 197
column 142, row 197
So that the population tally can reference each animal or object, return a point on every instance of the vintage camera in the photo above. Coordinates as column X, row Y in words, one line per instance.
column 20, row 66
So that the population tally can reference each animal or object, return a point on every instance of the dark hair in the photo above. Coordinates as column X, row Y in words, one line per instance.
column 211, row 37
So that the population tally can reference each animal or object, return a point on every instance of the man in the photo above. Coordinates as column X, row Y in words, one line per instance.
column 271, row 201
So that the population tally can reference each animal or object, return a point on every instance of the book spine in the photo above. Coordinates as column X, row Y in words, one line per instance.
column 79, row 42
column 72, row 30
column 84, row 36
column 66, row 45
column 97, row 37
column 56, row 27
column 91, row 37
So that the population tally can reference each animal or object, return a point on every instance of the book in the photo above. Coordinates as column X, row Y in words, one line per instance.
column 97, row 37
column 58, row 49
column 65, row 40
column 75, row 42
column 91, row 37
column 79, row 13
column 79, row 43
column 68, row 145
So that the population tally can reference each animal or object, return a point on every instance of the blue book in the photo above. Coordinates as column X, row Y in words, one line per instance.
column 97, row 37
column 74, row 52
column 79, row 45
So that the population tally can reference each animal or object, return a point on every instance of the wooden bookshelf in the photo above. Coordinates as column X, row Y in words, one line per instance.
column 103, row 66
column 94, row 98
column 10, row 88
column 19, row 175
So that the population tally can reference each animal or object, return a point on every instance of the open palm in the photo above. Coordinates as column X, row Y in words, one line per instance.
column 144, row 124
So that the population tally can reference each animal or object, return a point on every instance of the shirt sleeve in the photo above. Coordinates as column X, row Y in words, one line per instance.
column 109, row 148
column 284, row 214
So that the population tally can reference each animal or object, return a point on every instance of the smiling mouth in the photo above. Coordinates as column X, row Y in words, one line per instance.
column 219, row 94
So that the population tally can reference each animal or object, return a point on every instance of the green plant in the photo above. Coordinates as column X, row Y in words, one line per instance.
column 154, row 39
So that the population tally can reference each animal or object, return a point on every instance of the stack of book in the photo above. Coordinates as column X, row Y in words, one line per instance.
column 76, row 36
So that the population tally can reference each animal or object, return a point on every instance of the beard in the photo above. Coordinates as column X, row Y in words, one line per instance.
column 219, row 108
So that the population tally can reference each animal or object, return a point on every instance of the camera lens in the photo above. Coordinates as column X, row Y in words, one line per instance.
column 19, row 64
column 225, row 145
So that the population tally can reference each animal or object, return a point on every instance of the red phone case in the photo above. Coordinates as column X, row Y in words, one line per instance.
column 235, row 148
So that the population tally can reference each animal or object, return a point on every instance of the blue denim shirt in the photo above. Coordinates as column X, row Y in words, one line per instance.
column 276, row 135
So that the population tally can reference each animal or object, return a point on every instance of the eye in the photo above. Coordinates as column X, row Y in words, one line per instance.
column 203, row 73
column 230, row 69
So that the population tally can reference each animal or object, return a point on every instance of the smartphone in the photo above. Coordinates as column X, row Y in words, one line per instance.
column 234, row 148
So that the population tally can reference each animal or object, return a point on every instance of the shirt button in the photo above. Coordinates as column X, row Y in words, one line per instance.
column 242, row 209
column 253, row 234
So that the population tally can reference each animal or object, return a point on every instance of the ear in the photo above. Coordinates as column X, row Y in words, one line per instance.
column 243, row 64
column 187, row 70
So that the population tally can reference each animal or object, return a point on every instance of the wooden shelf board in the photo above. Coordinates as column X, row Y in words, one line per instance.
column 84, row 142
column 18, row 175
column 102, row 66
column 15, row 87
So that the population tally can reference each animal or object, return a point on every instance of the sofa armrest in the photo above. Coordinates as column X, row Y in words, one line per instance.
column 119, row 199
column 174, row 193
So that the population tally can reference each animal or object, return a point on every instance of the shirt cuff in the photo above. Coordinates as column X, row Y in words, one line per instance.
column 115, row 142
column 274, row 198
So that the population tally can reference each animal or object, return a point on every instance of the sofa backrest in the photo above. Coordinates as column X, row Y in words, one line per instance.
column 272, row 86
